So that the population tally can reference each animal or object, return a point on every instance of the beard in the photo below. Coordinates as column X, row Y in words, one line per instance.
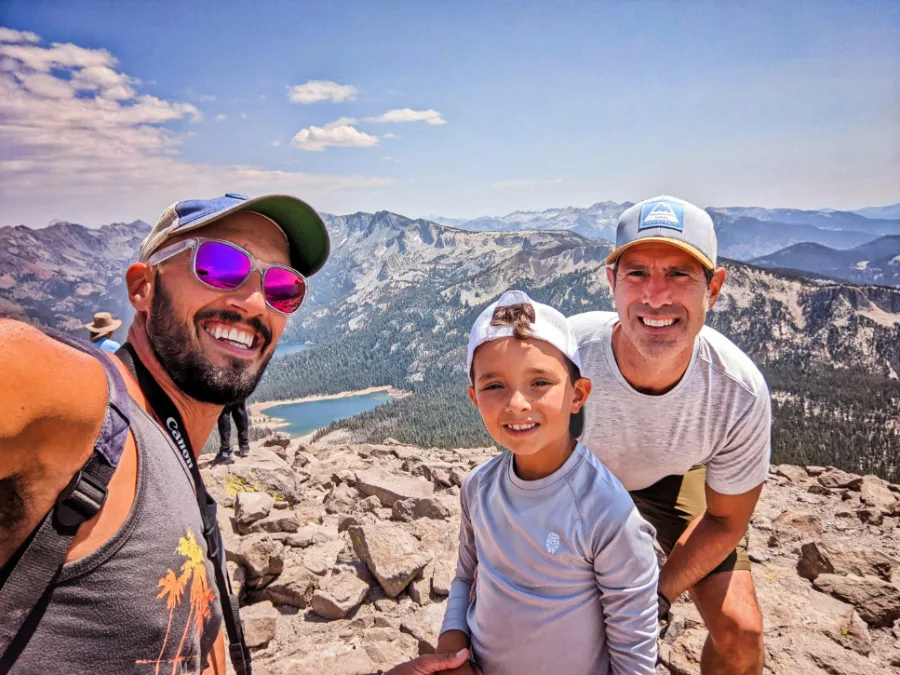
column 179, row 353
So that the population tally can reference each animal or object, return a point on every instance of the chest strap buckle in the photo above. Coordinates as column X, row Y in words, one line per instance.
column 80, row 500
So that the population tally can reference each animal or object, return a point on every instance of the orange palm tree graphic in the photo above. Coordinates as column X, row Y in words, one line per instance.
column 193, row 571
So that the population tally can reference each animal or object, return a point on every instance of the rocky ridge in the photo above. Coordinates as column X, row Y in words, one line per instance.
column 344, row 554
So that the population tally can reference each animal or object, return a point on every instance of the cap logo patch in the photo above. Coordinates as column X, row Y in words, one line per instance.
column 662, row 214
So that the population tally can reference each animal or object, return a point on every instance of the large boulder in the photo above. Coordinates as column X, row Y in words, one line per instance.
column 825, row 558
column 391, row 487
column 795, row 474
column 279, row 521
column 251, row 506
column 877, row 601
column 339, row 596
column 392, row 555
column 425, row 626
column 260, row 623
column 876, row 494
column 835, row 478
column 294, row 586
column 320, row 558
column 794, row 525
column 261, row 556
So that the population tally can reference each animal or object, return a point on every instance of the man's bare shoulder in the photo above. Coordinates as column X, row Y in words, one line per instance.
column 48, row 382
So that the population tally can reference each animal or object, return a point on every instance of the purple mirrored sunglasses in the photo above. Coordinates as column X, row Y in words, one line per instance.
column 226, row 267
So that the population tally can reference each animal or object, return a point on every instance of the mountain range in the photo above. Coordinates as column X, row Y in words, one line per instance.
column 744, row 232
column 875, row 262
column 396, row 300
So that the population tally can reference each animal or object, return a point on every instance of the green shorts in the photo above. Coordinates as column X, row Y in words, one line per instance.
column 671, row 504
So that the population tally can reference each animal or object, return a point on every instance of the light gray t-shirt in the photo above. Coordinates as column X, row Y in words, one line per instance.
column 718, row 414
column 566, row 573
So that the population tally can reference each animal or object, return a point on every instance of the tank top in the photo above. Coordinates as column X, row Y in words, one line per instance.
column 145, row 601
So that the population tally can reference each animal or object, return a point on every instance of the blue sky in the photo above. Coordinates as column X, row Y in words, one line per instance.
column 446, row 108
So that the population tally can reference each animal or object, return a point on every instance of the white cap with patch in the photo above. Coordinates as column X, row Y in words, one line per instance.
column 548, row 325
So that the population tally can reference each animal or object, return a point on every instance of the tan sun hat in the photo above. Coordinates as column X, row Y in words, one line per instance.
column 103, row 323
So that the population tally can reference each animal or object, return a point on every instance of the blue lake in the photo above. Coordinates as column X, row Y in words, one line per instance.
column 285, row 349
column 303, row 418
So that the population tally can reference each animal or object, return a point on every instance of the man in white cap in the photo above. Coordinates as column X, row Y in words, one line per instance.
column 101, row 328
column 682, row 417
column 110, row 559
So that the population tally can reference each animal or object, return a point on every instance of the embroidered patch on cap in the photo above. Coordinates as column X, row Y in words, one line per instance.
column 662, row 214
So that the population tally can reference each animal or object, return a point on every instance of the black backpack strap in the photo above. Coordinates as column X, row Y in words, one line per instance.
column 40, row 560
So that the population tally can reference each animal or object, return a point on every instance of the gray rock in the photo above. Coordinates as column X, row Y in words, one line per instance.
column 795, row 525
column 795, row 474
column 342, row 499
column 444, row 574
column 392, row 555
column 309, row 535
column 251, row 506
column 420, row 588
column 320, row 558
column 280, row 521
column 340, row 595
column 823, row 558
column 295, row 586
column 870, row 516
column 262, row 557
column 347, row 662
column 876, row 495
column 425, row 625
column 260, row 623
column 389, row 487
column 269, row 475
column 877, row 601
column 835, row 478
column 279, row 438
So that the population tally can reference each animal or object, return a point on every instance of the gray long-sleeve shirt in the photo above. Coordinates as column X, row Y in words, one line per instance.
column 566, row 574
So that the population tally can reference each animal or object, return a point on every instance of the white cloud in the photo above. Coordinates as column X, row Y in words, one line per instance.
column 389, row 136
column 335, row 134
column 71, row 119
column 388, row 158
column 409, row 115
column 525, row 183
column 243, row 115
column 18, row 36
column 277, row 143
column 221, row 117
column 319, row 91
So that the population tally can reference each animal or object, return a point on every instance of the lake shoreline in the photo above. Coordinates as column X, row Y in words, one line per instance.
column 257, row 409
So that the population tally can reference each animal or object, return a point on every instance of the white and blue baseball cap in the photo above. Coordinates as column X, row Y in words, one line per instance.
column 302, row 226
column 549, row 325
column 668, row 220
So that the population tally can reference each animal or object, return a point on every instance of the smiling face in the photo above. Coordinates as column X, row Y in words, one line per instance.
column 662, row 297
column 525, row 394
column 215, row 344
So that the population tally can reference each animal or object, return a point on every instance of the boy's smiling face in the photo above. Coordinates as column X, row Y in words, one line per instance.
column 525, row 394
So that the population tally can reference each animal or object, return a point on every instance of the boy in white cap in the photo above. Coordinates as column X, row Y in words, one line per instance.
column 556, row 570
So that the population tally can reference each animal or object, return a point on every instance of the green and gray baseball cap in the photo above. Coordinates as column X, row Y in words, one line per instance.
column 668, row 220
column 306, row 234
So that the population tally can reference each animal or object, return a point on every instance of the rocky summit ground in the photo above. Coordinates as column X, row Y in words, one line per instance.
column 344, row 554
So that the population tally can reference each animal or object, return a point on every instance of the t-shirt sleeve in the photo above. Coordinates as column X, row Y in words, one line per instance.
column 744, row 461
column 627, row 574
column 461, row 586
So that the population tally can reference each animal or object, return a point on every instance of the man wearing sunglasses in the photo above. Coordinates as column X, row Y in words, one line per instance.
column 110, row 560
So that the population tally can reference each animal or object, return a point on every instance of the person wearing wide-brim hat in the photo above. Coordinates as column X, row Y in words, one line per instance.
column 101, row 328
